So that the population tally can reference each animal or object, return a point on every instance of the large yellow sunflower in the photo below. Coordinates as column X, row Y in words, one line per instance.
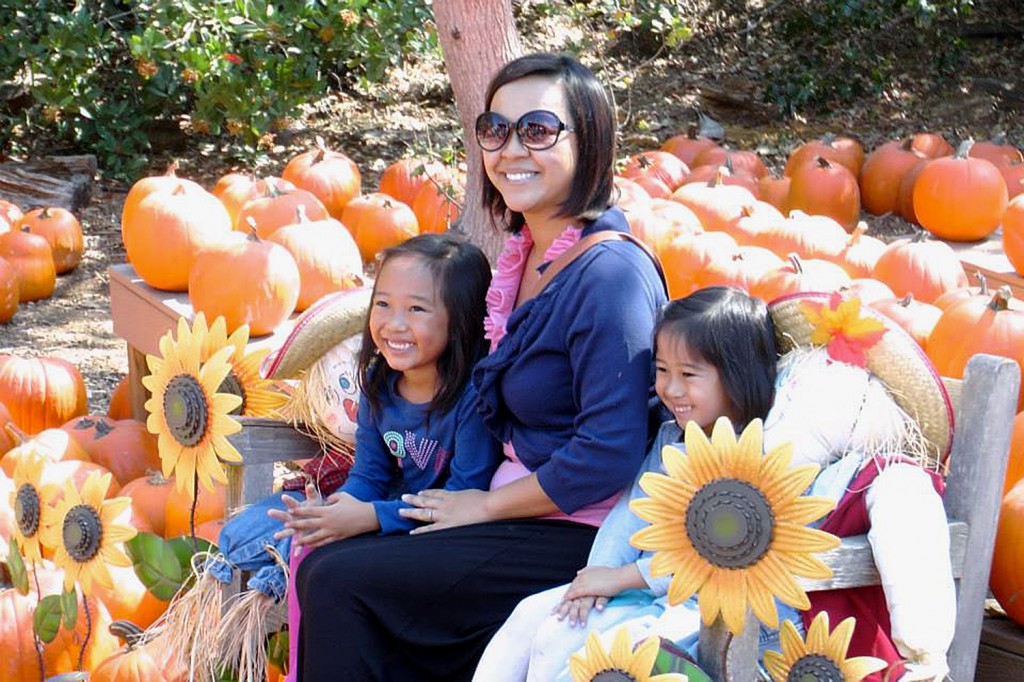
column 621, row 664
column 190, row 418
column 259, row 397
column 83, row 533
column 731, row 523
column 822, row 656
column 31, row 503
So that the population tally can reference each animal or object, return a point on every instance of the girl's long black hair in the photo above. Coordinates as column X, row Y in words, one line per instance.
column 462, row 274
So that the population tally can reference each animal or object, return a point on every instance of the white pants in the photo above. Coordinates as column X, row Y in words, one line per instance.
column 535, row 646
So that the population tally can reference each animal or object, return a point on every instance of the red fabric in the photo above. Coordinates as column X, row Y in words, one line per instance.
column 328, row 471
column 866, row 604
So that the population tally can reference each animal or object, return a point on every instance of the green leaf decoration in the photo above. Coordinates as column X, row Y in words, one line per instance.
column 672, row 659
column 16, row 567
column 184, row 549
column 157, row 565
column 46, row 619
column 69, row 607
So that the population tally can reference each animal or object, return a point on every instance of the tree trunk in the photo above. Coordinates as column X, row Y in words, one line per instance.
column 478, row 37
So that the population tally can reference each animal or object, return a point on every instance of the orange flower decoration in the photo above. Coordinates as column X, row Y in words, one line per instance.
column 839, row 327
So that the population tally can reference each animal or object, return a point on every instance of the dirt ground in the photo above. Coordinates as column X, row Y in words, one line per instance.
column 414, row 111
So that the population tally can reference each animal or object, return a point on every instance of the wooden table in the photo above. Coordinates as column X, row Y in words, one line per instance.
column 1001, row 654
column 987, row 257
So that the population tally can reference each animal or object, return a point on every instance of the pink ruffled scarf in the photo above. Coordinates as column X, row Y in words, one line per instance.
column 501, row 295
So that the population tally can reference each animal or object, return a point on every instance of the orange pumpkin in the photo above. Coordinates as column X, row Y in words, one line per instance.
column 932, row 145
column 905, row 195
column 438, row 207
column 655, row 188
column 658, row 164
column 276, row 208
column 236, row 193
column 754, row 219
column 715, row 203
column 920, row 266
column 628, row 195
column 378, row 221
column 31, row 257
column 867, row 289
column 20, row 662
column 917, row 318
column 9, row 290
column 120, row 405
column 41, row 392
column 149, row 495
column 706, row 174
column 253, row 281
column 688, row 146
column 775, row 191
column 742, row 269
column 1015, row 464
column 61, row 230
column 998, row 151
column 799, row 274
column 148, row 185
column 1013, row 174
column 860, row 253
column 823, row 187
column 881, row 174
column 9, row 214
column 210, row 506
column 331, row 176
column 53, row 445
column 7, row 438
column 149, row 662
column 124, row 447
column 1007, row 578
column 686, row 255
column 1013, row 233
column 960, row 198
column 166, row 230
column 404, row 178
column 975, row 326
column 840, row 149
column 8, row 522
column 741, row 162
column 326, row 255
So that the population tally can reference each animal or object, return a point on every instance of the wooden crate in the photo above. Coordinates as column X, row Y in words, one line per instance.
column 1001, row 654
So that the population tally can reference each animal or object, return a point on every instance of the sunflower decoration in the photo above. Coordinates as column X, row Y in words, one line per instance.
column 821, row 657
column 621, row 664
column 259, row 397
column 31, row 503
column 189, row 415
column 84, row 535
column 731, row 523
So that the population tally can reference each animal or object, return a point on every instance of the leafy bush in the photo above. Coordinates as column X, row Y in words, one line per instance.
column 103, row 74
column 843, row 49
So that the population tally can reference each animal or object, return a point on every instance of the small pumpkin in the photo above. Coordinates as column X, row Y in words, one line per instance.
column 149, row 495
column 840, row 149
column 658, row 164
column 438, row 206
column 823, row 187
column 124, row 447
column 1013, row 233
column 249, row 282
column 921, row 266
column 120, row 405
column 404, row 178
column 960, row 198
column 276, row 208
column 1015, row 464
column 1007, row 578
column 882, row 172
column 331, row 176
column 31, row 257
column 918, row 319
column 61, row 230
column 210, row 506
column 41, row 393
column 378, row 221
column 688, row 146
column 9, row 290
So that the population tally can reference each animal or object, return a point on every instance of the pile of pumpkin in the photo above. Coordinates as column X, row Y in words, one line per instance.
column 256, row 250
column 35, row 247
column 43, row 411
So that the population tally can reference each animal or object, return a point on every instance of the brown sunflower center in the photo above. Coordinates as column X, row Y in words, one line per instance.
column 729, row 522
column 186, row 410
column 613, row 676
column 27, row 510
column 82, row 533
column 815, row 668
column 232, row 385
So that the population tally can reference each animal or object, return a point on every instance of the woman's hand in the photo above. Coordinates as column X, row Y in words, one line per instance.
column 314, row 525
column 439, row 509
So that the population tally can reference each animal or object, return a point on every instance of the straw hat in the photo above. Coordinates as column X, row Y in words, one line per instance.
column 858, row 334
column 322, row 326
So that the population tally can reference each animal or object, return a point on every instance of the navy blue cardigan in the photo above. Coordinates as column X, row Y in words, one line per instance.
column 569, row 384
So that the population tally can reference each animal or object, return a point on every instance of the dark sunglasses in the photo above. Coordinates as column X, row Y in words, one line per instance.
column 537, row 130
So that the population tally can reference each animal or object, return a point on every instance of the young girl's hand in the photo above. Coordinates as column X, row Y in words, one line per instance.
column 602, row 581
column 314, row 525
column 577, row 610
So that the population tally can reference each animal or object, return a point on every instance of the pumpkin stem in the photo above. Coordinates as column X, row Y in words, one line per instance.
column 127, row 631
column 828, row 139
column 17, row 435
column 45, row 213
column 300, row 214
column 172, row 168
column 254, row 236
column 919, row 236
column 982, row 282
column 964, row 150
column 907, row 300
column 798, row 265
column 1001, row 299
column 822, row 162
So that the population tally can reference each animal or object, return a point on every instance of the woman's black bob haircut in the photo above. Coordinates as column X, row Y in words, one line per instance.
column 592, row 114
column 732, row 331
column 462, row 274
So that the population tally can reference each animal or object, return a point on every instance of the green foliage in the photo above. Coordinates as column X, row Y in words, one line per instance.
column 101, row 73
column 639, row 26
column 163, row 566
column 840, row 50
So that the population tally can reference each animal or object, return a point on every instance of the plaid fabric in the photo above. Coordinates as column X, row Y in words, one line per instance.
column 328, row 471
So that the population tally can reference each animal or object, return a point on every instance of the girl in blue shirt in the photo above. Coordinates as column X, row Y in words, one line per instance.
column 417, row 425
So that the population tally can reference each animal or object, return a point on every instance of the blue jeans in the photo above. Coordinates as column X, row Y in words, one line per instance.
column 242, row 545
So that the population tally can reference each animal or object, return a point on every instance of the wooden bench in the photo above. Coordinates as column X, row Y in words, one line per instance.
column 1001, row 654
column 984, row 414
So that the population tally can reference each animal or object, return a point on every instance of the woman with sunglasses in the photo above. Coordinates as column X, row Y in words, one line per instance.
column 566, row 389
